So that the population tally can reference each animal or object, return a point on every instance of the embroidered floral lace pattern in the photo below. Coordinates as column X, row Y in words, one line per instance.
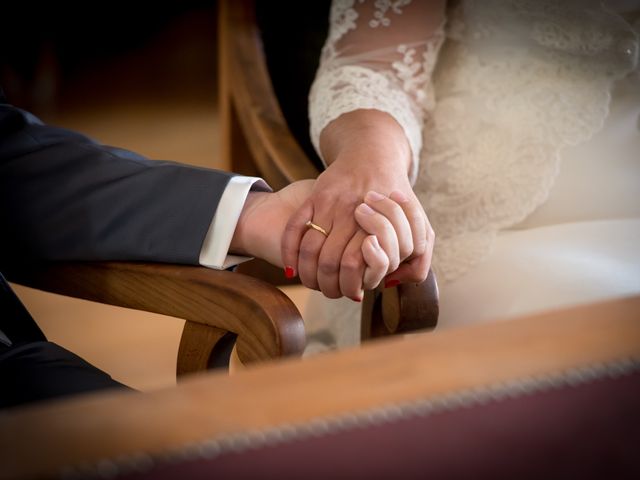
column 382, row 7
column 398, row 85
column 516, row 82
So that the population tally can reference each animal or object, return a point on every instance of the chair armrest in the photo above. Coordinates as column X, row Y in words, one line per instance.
column 497, row 378
column 402, row 309
column 266, row 322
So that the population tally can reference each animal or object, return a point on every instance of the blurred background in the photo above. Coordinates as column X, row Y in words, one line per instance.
column 137, row 75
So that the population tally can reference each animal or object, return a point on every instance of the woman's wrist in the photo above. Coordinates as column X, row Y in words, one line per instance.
column 367, row 137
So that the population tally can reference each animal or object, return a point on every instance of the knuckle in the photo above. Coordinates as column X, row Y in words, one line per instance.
column 380, row 266
column 419, row 273
column 418, row 277
column 373, row 281
column 392, row 207
column 350, row 292
column 307, row 253
column 328, row 267
column 393, row 265
column 376, row 263
column 351, row 263
column 290, row 229
column 323, row 196
column 406, row 248
column 420, row 246
column 369, row 284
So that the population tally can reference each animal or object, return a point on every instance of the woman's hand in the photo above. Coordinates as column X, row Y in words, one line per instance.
column 416, row 267
column 366, row 151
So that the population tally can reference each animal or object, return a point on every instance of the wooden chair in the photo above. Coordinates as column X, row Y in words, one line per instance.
column 263, row 100
column 222, row 309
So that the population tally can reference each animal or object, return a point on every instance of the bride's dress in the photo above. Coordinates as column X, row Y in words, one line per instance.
column 524, row 121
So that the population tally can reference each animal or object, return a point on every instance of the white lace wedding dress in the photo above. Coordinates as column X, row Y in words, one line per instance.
column 524, row 121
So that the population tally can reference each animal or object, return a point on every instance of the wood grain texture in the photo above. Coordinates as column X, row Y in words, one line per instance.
column 384, row 372
column 267, row 323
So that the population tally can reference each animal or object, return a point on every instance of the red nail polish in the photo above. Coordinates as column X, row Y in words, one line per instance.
column 356, row 299
column 289, row 272
column 391, row 283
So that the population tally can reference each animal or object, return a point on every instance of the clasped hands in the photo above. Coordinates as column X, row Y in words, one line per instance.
column 372, row 239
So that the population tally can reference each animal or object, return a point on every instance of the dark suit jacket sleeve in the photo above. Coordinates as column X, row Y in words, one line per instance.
column 66, row 197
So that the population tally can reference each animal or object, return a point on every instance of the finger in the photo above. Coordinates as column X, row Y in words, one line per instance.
column 352, row 267
column 377, row 263
column 310, row 248
column 416, row 269
column 398, row 219
column 329, row 262
column 411, row 271
column 292, row 236
column 416, row 217
column 377, row 224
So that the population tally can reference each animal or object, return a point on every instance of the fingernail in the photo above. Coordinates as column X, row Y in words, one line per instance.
column 398, row 196
column 391, row 283
column 289, row 272
column 356, row 299
column 366, row 209
column 374, row 196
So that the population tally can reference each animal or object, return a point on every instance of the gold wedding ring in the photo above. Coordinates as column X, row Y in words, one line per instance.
column 310, row 224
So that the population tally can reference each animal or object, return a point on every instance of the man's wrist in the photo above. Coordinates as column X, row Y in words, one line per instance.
column 246, row 235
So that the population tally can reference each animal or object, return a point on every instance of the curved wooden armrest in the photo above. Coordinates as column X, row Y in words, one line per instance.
column 405, row 308
column 266, row 323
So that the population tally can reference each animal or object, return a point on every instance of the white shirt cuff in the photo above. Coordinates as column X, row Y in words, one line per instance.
column 215, row 248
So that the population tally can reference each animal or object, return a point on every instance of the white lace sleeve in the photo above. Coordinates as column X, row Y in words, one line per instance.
column 379, row 55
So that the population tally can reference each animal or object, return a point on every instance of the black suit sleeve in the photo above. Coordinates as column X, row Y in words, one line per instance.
column 66, row 197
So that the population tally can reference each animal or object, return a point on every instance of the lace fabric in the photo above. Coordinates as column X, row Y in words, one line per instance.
column 516, row 81
column 389, row 71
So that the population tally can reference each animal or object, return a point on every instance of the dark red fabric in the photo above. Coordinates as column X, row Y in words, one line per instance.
column 586, row 431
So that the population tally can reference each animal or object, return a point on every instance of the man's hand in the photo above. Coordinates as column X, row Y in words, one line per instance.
column 263, row 220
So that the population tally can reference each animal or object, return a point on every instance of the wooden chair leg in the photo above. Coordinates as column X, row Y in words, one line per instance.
column 405, row 308
column 203, row 348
